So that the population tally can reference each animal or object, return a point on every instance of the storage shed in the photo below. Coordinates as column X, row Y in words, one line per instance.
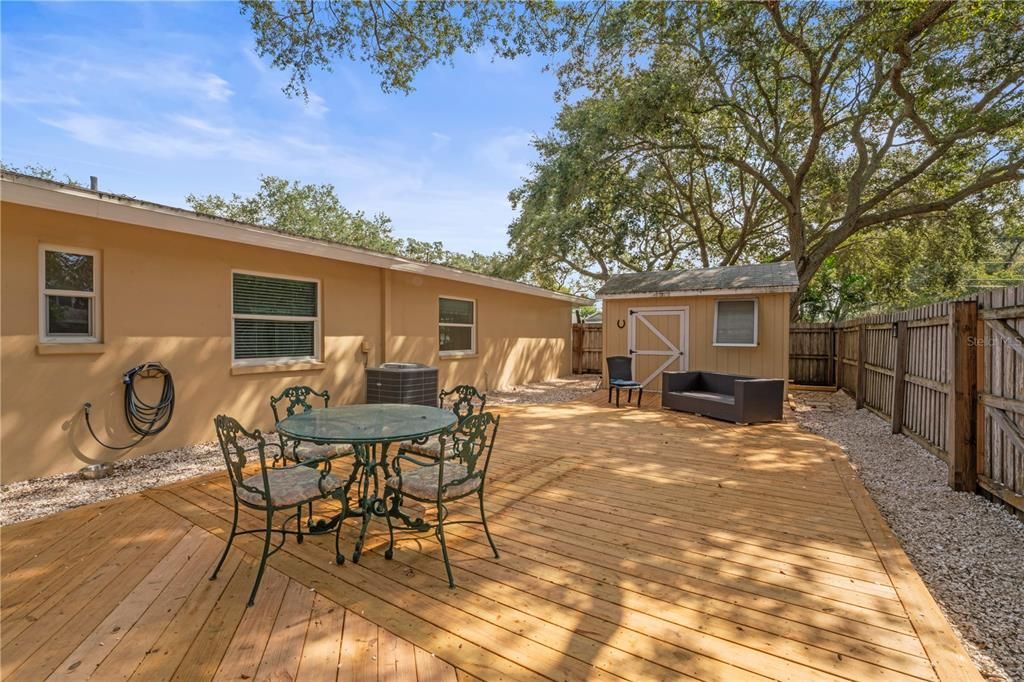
column 730, row 319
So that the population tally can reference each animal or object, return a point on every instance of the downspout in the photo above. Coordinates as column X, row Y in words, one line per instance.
column 385, row 313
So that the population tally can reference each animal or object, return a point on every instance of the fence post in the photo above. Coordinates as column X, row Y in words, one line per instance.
column 578, row 333
column 830, row 370
column 963, row 396
column 899, row 376
column 862, row 374
column 840, row 349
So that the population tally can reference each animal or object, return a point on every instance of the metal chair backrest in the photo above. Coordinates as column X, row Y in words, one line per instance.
column 620, row 368
column 472, row 441
column 230, row 435
column 464, row 400
column 298, row 400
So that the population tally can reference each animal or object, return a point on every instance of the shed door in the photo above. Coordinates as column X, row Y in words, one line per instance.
column 657, row 343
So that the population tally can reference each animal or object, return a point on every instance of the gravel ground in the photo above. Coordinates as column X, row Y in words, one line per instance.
column 42, row 496
column 545, row 392
column 969, row 551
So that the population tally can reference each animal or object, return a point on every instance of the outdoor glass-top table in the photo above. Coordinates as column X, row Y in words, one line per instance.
column 370, row 430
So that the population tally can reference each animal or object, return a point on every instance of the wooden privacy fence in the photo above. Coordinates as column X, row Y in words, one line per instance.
column 812, row 354
column 586, row 348
column 949, row 376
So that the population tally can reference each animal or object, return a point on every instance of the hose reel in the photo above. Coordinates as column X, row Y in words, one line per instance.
column 143, row 418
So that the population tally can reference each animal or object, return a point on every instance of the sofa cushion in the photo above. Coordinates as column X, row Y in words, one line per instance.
column 708, row 395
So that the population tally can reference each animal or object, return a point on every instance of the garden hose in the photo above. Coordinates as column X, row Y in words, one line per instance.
column 143, row 418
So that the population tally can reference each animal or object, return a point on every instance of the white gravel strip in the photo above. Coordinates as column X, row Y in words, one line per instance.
column 969, row 551
column 42, row 496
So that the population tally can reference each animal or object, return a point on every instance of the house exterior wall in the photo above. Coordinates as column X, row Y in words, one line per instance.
column 166, row 297
column 770, row 359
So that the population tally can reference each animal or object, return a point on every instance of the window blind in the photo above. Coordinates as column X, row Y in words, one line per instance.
column 258, row 295
column 273, row 339
column 274, row 318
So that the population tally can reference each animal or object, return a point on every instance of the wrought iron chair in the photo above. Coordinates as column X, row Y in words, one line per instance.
column 464, row 400
column 297, row 399
column 270, row 490
column 620, row 376
column 461, row 474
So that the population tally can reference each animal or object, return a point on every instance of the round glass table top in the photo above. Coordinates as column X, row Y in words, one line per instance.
column 383, row 423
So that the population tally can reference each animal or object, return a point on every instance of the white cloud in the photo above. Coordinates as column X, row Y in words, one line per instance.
column 508, row 153
column 37, row 76
column 315, row 105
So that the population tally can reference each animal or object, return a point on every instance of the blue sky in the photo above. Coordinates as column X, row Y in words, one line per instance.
column 163, row 99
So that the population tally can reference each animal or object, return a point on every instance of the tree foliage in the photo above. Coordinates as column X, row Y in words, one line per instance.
column 316, row 211
column 803, row 127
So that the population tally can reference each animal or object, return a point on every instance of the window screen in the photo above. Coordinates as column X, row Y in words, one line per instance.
column 736, row 323
column 456, row 325
column 69, row 296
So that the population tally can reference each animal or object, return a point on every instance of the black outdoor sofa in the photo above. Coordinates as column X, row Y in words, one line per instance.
column 744, row 400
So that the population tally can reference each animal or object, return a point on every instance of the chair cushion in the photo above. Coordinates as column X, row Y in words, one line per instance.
column 431, row 449
column 290, row 486
column 625, row 383
column 422, row 481
column 307, row 451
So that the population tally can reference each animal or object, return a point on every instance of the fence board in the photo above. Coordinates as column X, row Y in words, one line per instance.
column 586, row 348
column 931, row 371
column 1001, row 386
column 811, row 354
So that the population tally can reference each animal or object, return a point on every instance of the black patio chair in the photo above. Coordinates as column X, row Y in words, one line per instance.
column 459, row 475
column 620, row 376
column 296, row 399
column 270, row 490
column 464, row 400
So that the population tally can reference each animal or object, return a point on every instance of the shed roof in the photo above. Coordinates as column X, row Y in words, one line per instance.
column 759, row 278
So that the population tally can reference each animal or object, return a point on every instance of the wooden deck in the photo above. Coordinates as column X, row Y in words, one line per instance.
column 636, row 544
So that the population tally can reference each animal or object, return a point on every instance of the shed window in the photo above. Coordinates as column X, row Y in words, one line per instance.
column 456, row 326
column 275, row 318
column 736, row 323
column 69, row 295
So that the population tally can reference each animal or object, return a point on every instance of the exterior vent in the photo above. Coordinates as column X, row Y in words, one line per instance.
column 409, row 383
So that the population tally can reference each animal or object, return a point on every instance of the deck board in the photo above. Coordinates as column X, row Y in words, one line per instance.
column 636, row 544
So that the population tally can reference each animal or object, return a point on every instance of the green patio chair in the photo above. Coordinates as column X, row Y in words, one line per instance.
column 296, row 399
column 461, row 474
column 270, row 490
column 464, row 400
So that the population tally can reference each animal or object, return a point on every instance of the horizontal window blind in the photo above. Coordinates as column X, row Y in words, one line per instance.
column 274, row 318
column 274, row 339
column 258, row 295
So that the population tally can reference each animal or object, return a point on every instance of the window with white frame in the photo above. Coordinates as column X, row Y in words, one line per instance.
column 274, row 318
column 457, row 326
column 69, row 286
column 736, row 322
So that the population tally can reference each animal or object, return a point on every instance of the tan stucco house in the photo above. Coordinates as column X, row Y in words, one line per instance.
column 94, row 284
column 731, row 319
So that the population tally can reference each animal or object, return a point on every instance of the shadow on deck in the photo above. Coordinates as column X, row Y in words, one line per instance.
column 636, row 544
